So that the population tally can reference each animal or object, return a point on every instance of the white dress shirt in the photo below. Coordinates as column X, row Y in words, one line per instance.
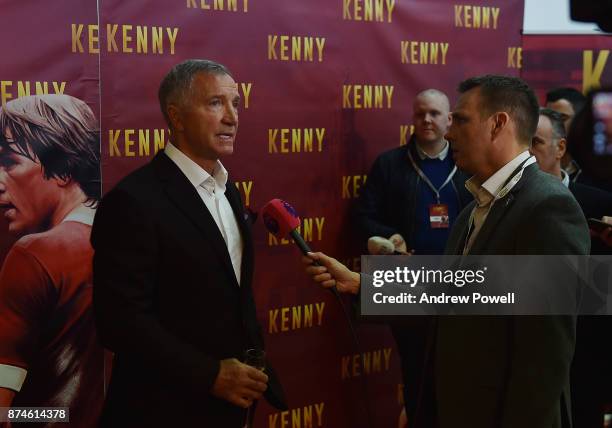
column 565, row 178
column 486, row 193
column 442, row 155
column 212, row 191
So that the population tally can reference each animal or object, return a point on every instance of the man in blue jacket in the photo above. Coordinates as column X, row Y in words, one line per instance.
column 414, row 192
column 412, row 197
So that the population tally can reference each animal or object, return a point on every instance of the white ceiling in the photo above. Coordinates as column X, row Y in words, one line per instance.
column 553, row 17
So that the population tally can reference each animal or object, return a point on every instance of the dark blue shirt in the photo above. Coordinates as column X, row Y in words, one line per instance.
column 428, row 240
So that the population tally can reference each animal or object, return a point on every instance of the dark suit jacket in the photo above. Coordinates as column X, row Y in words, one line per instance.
column 388, row 202
column 511, row 372
column 591, row 371
column 167, row 302
column 595, row 203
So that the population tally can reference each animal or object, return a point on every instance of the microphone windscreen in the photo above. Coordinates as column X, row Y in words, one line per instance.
column 280, row 218
column 381, row 246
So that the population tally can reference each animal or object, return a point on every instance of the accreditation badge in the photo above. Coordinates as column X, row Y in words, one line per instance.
column 438, row 216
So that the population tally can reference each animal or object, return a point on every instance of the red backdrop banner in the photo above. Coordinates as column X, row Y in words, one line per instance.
column 578, row 61
column 326, row 86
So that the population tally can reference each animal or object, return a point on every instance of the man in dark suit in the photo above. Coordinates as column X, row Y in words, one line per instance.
column 514, row 371
column 568, row 102
column 494, row 371
column 548, row 146
column 173, row 267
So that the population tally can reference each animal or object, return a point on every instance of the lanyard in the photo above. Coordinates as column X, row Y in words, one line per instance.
column 427, row 181
column 514, row 178
column 508, row 185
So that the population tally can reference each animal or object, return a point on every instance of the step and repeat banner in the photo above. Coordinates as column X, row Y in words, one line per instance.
column 582, row 62
column 325, row 85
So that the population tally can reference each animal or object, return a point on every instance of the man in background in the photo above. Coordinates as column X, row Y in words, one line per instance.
column 568, row 102
column 414, row 192
column 49, row 188
column 590, row 368
column 548, row 146
column 412, row 197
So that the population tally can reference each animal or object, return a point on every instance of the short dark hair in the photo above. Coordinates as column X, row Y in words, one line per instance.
column 509, row 94
column 58, row 131
column 175, row 85
column 573, row 96
column 556, row 121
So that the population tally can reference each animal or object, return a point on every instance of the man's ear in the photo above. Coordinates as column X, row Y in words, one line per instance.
column 63, row 182
column 561, row 148
column 500, row 121
column 174, row 115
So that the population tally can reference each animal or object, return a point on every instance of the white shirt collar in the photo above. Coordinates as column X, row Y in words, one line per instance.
column 81, row 214
column 571, row 167
column 565, row 178
column 494, row 184
column 442, row 155
column 197, row 175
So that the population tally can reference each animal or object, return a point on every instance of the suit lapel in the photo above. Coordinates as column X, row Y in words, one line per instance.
column 498, row 211
column 182, row 194
column 495, row 215
column 458, row 240
column 246, row 271
column 232, row 195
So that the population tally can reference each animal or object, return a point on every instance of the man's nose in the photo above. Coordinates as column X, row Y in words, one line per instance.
column 231, row 115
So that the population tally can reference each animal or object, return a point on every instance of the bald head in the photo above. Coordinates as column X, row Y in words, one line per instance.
column 436, row 94
column 431, row 116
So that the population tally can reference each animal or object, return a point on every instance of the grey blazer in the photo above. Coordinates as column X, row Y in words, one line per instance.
column 502, row 371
